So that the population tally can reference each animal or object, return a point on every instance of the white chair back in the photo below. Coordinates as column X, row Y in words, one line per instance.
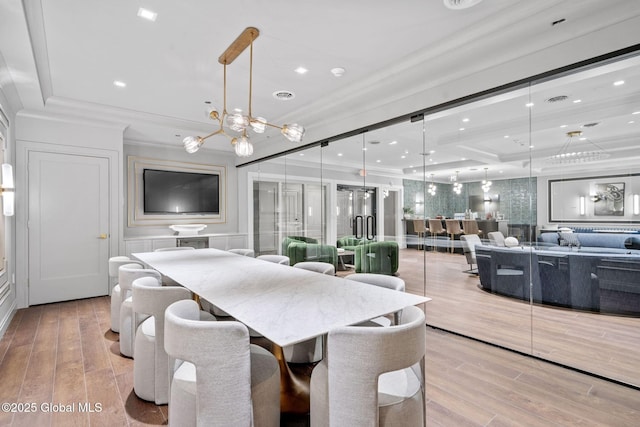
column 221, row 354
column 278, row 259
column 357, row 357
column 151, row 298
column 176, row 248
column 243, row 252
column 318, row 267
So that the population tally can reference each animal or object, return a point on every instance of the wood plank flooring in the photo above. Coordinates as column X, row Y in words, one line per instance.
column 64, row 353
column 607, row 345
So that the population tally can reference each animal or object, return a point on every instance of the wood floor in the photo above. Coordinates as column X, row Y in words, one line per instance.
column 65, row 354
column 607, row 345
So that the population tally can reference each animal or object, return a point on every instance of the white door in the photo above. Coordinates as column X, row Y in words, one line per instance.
column 68, row 226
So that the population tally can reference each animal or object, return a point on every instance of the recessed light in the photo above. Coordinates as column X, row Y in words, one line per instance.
column 618, row 83
column 506, row 136
column 463, row 158
column 378, row 161
column 577, row 101
column 465, row 120
column 432, row 151
column 431, row 160
column 147, row 14
column 529, row 104
column 339, row 154
column 531, row 146
column 636, row 112
column 563, row 126
column 119, row 83
column 301, row 70
column 301, row 154
column 631, row 122
column 364, row 149
column 461, row 129
column 393, row 142
column 338, row 71
column 403, row 157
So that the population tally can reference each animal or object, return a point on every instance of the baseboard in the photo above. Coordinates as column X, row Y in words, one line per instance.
column 4, row 324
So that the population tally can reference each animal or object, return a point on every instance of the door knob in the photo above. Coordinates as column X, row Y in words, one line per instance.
column 102, row 236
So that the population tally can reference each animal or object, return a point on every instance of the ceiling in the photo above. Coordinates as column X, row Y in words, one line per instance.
column 62, row 57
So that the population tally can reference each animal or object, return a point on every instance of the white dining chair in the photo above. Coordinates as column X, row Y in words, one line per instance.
column 175, row 248
column 221, row 379
column 309, row 351
column 128, row 320
column 384, row 281
column 243, row 252
column 372, row 376
column 116, row 293
column 318, row 267
column 150, row 360
column 278, row 259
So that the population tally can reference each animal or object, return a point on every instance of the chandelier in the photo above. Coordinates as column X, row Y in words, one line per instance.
column 432, row 187
column 486, row 184
column 457, row 186
column 237, row 122
column 568, row 155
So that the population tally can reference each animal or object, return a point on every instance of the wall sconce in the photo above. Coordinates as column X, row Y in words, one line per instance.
column 636, row 204
column 7, row 190
column 583, row 205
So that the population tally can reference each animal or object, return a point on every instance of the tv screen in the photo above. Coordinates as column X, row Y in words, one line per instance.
column 171, row 192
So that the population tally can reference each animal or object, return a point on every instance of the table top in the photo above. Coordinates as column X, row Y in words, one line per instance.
column 285, row 304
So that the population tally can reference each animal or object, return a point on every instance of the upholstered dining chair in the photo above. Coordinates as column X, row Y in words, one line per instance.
column 384, row 281
column 221, row 380
column 420, row 228
column 436, row 229
column 278, row 259
column 372, row 376
column 175, row 248
column 469, row 242
column 150, row 360
column 453, row 230
column 496, row 238
column 309, row 351
column 470, row 226
column 318, row 267
column 116, row 293
column 128, row 320
column 243, row 252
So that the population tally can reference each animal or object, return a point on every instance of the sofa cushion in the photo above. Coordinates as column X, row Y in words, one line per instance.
column 632, row 243
column 569, row 239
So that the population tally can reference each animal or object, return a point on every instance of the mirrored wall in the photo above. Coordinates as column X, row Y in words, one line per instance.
column 517, row 213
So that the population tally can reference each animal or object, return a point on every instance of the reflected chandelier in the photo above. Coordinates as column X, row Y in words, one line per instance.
column 486, row 184
column 457, row 186
column 238, row 122
column 566, row 155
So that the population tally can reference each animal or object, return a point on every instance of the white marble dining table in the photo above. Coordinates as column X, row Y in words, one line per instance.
column 286, row 305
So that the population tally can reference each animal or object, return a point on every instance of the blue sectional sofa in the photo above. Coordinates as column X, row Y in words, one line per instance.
column 580, row 278
column 597, row 242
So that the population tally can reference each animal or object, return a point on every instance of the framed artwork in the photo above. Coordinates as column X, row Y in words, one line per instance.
column 608, row 199
column 594, row 199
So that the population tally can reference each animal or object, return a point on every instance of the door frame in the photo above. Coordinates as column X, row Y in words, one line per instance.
column 115, row 201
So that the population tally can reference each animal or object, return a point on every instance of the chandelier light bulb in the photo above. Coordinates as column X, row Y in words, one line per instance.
column 192, row 144
column 242, row 146
column 211, row 112
column 293, row 132
column 258, row 124
column 237, row 122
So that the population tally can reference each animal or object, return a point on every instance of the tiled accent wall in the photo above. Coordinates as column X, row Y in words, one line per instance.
column 515, row 202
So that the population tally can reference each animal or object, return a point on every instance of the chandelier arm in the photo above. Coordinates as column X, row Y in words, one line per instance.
column 214, row 133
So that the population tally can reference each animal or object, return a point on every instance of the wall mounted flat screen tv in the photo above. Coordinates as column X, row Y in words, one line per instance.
column 172, row 192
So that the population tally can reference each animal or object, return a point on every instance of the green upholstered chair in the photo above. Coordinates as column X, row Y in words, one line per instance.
column 377, row 257
column 349, row 243
column 299, row 249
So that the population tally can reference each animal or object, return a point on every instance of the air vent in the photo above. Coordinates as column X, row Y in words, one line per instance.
column 590, row 125
column 558, row 98
column 283, row 95
column 374, row 142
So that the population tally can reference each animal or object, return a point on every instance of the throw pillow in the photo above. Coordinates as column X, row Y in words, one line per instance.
column 632, row 243
column 569, row 239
